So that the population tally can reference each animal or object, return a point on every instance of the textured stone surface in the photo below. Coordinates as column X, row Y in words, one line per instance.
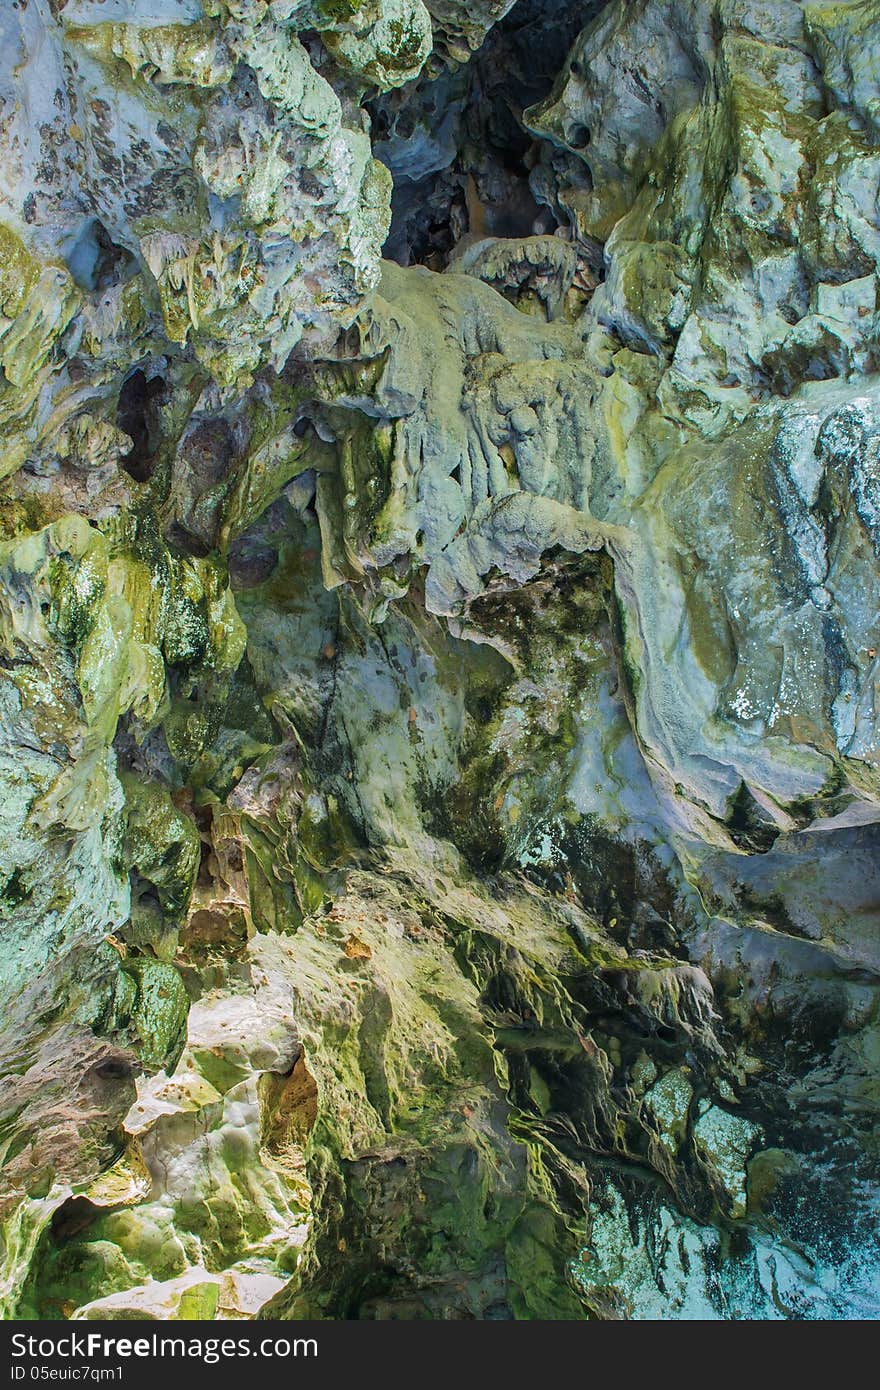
column 439, row 808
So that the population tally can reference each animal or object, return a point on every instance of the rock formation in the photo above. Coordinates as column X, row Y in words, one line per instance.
column 440, row 801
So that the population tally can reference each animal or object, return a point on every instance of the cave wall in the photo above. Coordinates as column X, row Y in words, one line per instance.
column 439, row 590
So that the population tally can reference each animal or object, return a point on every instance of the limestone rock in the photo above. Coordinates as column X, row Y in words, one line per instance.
column 439, row 801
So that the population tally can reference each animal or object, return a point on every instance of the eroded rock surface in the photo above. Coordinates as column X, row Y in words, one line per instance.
column 440, row 804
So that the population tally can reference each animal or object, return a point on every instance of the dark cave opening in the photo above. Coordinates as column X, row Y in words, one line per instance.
column 72, row 1217
column 137, row 415
column 96, row 261
column 455, row 141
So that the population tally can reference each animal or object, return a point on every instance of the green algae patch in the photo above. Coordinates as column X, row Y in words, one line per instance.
column 162, row 849
column 19, row 272
column 159, row 1012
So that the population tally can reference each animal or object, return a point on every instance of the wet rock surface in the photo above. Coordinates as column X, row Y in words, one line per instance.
column 439, row 610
